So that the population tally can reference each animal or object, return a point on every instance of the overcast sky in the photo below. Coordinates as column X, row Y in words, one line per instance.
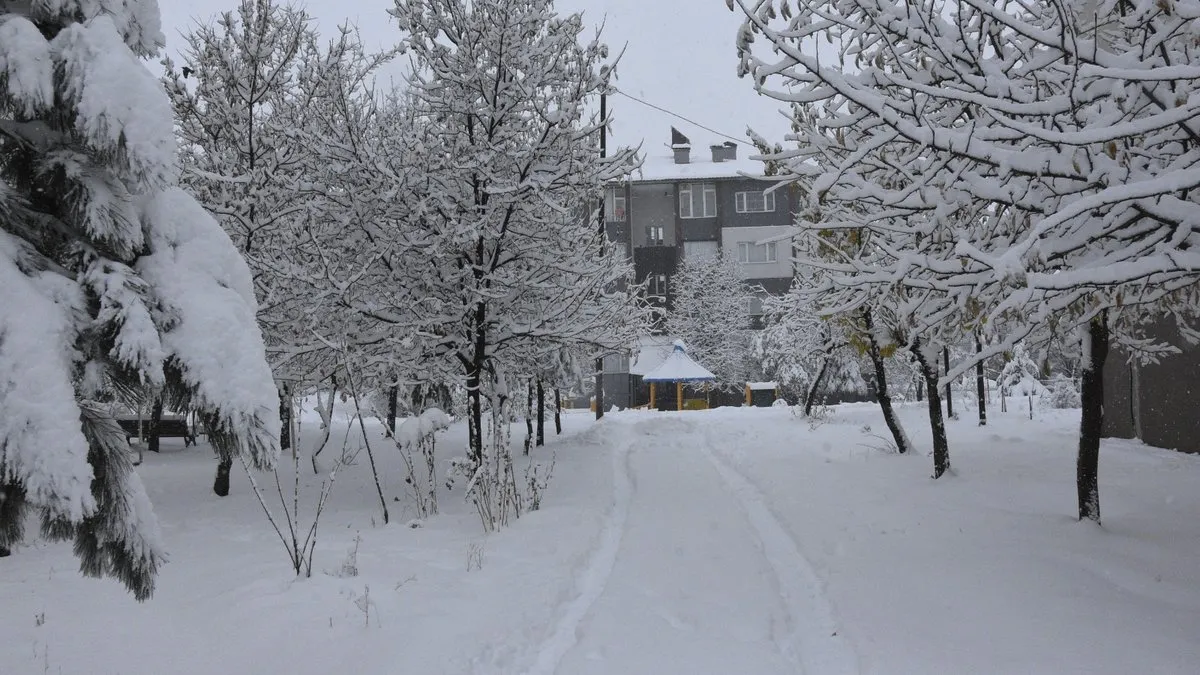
column 679, row 56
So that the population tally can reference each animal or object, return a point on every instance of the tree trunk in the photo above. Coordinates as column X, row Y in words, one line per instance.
column 941, row 447
column 333, row 385
column 528, row 415
column 599, row 387
column 541, row 413
column 221, row 484
column 156, row 412
column 980, row 384
column 475, row 373
column 474, row 415
column 881, row 390
column 1091, row 425
column 949, row 390
column 285, row 418
column 393, row 408
column 12, row 520
column 810, row 400
column 920, row 389
column 557, row 412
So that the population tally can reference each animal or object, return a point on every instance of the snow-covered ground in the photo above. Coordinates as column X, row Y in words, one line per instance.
column 726, row 541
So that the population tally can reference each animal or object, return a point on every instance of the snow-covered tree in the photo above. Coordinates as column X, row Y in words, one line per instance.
column 711, row 314
column 272, row 128
column 1019, row 375
column 797, row 348
column 505, row 257
column 1021, row 164
column 113, row 281
column 240, row 155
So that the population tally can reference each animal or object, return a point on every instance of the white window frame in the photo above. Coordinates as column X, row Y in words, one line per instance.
column 651, row 239
column 741, row 201
column 658, row 285
column 615, row 205
column 708, row 200
column 770, row 252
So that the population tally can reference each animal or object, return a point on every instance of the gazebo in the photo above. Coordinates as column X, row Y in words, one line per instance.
column 678, row 368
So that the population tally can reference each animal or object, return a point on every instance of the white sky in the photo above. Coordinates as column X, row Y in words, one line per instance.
column 680, row 56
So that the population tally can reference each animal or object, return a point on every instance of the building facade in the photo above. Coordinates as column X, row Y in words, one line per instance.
column 682, row 204
column 1154, row 402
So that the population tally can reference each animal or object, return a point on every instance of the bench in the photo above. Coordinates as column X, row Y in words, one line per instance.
column 168, row 427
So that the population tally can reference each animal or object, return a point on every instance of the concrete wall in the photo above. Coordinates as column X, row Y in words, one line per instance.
column 698, row 229
column 727, row 204
column 619, row 233
column 1155, row 402
column 775, row 286
column 623, row 190
column 652, row 204
column 701, row 249
column 616, row 390
column 782, row 267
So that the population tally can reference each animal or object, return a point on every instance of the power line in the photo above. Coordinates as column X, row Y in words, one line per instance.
column 675, row 114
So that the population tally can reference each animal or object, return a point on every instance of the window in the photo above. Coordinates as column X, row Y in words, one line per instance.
column 654, row 235
column 656, row 284
column 614, row 205
column 697, row 200
column 754, row 202
column 700, row 250
column 762, row 253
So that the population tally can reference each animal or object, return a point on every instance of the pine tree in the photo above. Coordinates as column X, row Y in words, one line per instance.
column 113, row 283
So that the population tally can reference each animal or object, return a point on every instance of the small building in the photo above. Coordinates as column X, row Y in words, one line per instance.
column 762, row 394
column 677, row 369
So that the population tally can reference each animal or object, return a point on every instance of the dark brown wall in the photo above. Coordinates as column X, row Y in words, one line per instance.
column 1158, row 399
column 1118, row 397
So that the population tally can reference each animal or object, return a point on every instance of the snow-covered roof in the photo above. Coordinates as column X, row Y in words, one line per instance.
column 650, row 353
column 679, row 367
column 760, row 386
column 662, row 166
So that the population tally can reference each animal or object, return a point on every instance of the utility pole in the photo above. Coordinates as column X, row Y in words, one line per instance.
column 599, row 388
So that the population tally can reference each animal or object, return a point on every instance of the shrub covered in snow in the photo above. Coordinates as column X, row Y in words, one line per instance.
column 1062, row 392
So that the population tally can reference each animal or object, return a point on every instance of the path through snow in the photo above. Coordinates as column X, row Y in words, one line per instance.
column 693, row 574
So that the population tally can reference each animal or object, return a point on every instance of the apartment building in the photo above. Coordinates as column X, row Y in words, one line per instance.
column 686, row 202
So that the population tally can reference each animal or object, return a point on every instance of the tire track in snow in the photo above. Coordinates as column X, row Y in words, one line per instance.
column 599, row 569
column 815, row 642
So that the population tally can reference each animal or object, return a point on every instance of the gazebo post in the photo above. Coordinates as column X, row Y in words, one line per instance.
column 679, row 395
column 652, row 396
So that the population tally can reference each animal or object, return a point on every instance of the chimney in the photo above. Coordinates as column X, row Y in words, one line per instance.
column 726, row 152
column 682, row 147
